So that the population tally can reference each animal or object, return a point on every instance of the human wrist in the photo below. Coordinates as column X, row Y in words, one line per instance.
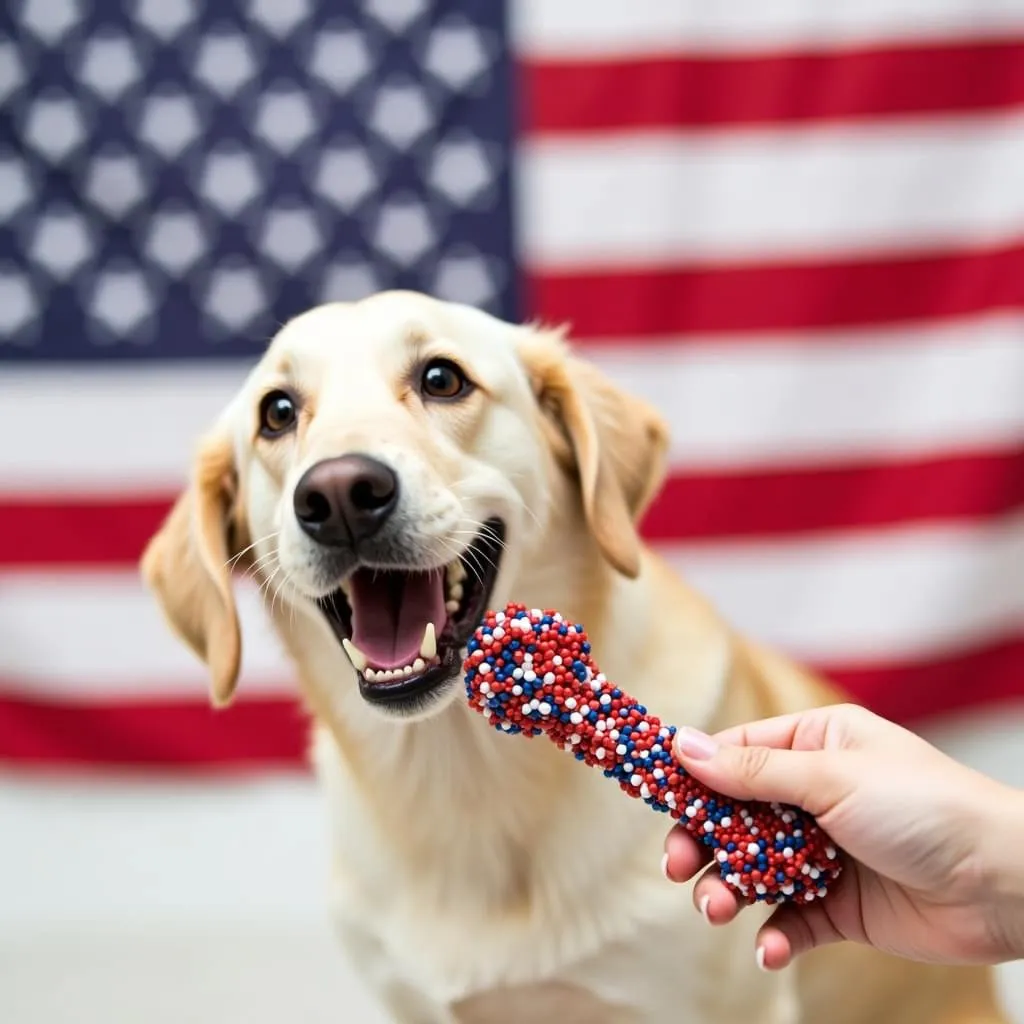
column 1004, row 871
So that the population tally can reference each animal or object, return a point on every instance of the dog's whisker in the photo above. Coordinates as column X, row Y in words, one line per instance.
column 234, row 558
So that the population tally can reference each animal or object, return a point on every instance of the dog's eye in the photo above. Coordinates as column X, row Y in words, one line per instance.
column 278, row 413
column 443, row 379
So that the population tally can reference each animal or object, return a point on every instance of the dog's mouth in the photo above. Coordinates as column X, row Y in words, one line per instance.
column 404, row 630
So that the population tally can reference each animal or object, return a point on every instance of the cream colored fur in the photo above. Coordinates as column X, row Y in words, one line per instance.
column 478, row 878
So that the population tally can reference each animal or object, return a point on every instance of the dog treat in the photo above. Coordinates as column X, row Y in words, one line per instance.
column 531, row 672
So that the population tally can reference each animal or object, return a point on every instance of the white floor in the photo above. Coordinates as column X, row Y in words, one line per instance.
column 131, row 904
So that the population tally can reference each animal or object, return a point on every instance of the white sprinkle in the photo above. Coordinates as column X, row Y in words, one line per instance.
column 815, row 872
column 787, row 852
column 487, row 638
column 787, row 817
column 484, row 668
column 788, row 890
column 601, row 725
column 549, row 678
column 753, row 848
column 556, row 660
column 485, row 688
column 605, row 699
column 748, row 821
column 601, row 677
column 644, row 727
column 806, row 869
column 506, row 726
column 500, row 617
column 599, row 753
column 529, row 676
column 691, row 811
column 570, row 703
column 627, row 766
column 698, row 803
column 755, row 830
column 670, row 799
column 614, row 734
column 664, row 732
column 780, row 836
column 498, row 632
column 645, row 791
column 709, row 826
column 830, row 852
column 535, row 703
column 808, row 895
column 575, row 738
column 721, row 856
column 659, row 773
column 636, row 780
column 517, row 673
column 575, row 718
column 517, row 690
column 726, row 821
column 760, row 888
column 526, row 709
column 620, row 749
column 544, row 708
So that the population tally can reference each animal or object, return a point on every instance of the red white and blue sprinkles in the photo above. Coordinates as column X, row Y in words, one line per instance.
column 530, row 672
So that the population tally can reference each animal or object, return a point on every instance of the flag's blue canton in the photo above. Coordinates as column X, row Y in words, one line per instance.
column 178, row 177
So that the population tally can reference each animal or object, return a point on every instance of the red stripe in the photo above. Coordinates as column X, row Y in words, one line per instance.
column 616, row 304
column 111, row 533
column 770, row 88
column 828, row 497
column 913, row 693
column 252, row 733
column 270, row 733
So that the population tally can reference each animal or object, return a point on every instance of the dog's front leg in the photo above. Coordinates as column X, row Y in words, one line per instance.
column 400, row 998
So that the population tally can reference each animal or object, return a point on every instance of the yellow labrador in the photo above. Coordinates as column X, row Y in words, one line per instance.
column 390, row 469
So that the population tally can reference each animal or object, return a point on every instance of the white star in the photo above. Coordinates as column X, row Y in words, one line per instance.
column 460, row 170
column 290, row 237
column 396, row 15
column 349, row 280
column 284, row 118
column 54, row 127
column 344, row 176
column 12, row 70
column 340, row 58
column 456, row 54
column 121, row 300
column 403, row 230
column 169, row 123
column 465, row 277
column 229, row 180
column 279, row 17
column 235, row 295
column 164, row 18
column 114, row 183
column 176, row 240
column 60, row 243
column 400, row 114
column 49, row 20
column 224, row 63
column 18, row 305
column 15, row 187
column 109, row 65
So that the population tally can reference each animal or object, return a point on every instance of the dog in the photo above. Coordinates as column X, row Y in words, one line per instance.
column 389, row 470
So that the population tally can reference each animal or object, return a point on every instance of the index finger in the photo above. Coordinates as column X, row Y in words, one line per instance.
column 801, row 730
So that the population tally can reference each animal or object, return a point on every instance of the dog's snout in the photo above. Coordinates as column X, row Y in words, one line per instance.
column 345, row 500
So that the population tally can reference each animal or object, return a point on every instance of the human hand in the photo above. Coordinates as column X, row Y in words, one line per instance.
column 933, row 851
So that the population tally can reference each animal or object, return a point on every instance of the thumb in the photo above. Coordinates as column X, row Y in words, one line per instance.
column 809, row 779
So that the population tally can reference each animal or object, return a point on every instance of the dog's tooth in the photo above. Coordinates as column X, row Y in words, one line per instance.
column 428, row 646
column 451, row 606
column 407, row 671
column 370, row 675
column 456, row 571
column 419, row 665
column 356, row 656
column 456, row 592
column 385, row 675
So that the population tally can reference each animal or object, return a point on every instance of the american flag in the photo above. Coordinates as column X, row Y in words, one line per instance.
column 797, row 226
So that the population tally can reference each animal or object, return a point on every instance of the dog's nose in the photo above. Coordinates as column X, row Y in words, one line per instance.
column 340, row 502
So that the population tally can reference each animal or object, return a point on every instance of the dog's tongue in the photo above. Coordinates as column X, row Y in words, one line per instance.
column 390, row 611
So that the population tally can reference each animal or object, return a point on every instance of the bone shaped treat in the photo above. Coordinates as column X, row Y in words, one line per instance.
column 530, row 672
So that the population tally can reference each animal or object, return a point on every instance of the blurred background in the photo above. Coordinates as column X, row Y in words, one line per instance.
column 797, row 227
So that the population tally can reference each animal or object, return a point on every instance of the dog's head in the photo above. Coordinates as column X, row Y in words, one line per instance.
column 387, row 465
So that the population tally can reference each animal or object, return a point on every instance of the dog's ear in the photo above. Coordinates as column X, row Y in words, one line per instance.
column 613, row 441
column 185, row 564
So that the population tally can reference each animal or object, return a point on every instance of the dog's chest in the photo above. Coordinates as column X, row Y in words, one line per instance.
column 574, row 912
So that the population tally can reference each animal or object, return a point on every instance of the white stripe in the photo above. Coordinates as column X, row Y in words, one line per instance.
column 580, row 29
column 778, row 399
column 640, row 199
column 878, row 595
column 85, row 429
column 884, row 595
column 101, row 635
column 901, row 391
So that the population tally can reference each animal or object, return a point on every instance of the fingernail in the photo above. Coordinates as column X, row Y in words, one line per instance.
column 705, row 902
column 664, row 866
column 693, row 743
column 760, row 958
